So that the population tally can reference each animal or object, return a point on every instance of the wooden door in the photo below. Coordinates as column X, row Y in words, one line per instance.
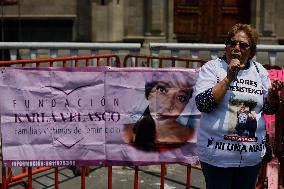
column 208, row 21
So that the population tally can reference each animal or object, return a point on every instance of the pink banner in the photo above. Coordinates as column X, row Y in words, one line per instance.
column 97, row 116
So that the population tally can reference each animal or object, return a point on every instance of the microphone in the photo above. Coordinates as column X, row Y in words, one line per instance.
column 238, row 57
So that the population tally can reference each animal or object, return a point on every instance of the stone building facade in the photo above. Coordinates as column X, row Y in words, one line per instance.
column 134, row 20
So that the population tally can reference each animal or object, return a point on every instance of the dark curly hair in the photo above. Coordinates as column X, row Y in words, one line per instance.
column 144, row 128
column 145, row 131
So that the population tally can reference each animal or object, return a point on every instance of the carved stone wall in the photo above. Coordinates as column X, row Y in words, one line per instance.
column 129, row 20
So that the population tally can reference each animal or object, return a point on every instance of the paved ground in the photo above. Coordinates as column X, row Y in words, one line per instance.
column 149, row 177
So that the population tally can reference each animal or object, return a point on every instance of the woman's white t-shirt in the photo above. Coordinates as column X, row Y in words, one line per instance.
column 233, row 133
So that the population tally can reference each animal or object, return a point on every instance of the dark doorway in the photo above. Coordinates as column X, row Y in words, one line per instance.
column 38, row 30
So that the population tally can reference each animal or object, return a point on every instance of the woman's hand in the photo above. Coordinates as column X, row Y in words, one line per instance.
column 233, row 69
column 220, row 89
column 276, row 85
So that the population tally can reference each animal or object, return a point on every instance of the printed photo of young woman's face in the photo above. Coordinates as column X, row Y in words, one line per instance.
column 167, row 100
column 167, row 95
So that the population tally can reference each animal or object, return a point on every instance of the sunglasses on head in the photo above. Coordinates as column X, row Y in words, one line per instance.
column 233, row 43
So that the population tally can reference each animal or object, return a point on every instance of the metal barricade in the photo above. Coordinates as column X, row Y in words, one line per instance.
column 8, row 178
column 160, row 61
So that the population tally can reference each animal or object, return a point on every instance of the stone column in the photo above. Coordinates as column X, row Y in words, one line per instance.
column 84, row 20
column 255, row 14
column 116, row 12
column 170, row 22
column 268, row 24
column 100, row 21
column 155, row 17
column 134, row 19
column 267, row 21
